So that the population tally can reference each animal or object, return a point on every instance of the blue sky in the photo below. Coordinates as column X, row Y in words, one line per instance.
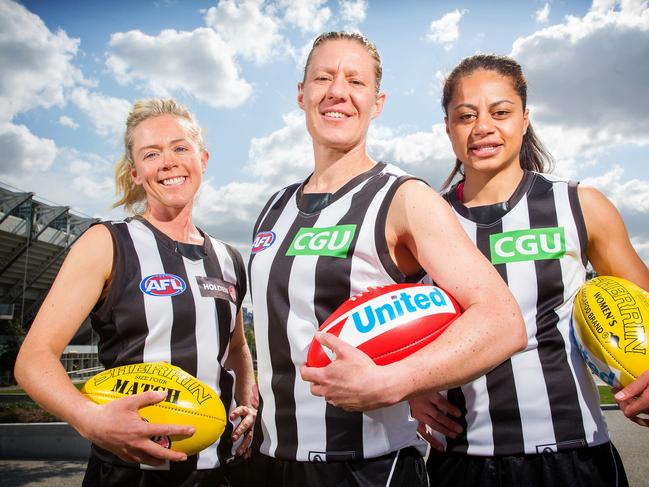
column 71, row 70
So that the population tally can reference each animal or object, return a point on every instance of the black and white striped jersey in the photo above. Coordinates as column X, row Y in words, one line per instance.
column 175, row 303
column 302, row 267
column 543, row 398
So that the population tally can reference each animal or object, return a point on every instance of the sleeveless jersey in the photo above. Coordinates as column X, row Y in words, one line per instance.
column 164, row 306
column 544, row 398
column 302, row 267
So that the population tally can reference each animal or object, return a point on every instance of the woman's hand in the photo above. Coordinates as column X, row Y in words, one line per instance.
column 634, row 399
column 353, row 381
column 248, row 414
column 432, row 411
column 117, row 427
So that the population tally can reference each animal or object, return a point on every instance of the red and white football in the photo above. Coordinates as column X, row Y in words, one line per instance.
column 388, row 323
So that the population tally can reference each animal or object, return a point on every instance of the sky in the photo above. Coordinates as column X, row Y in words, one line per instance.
column 72, row 69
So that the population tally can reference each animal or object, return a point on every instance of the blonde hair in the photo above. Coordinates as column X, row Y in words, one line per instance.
column 350, row 36
column 132, row 195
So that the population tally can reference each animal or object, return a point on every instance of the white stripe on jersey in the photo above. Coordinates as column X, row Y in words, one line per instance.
column 526, row 365
column 311, row 426
column 158, row 309
column 206, row 346
column 264, row 367
column 478, row 417
column 574, row 274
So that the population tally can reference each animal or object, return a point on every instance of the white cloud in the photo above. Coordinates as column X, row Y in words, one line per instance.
column 248, row 27
column 68, row 122
column 36, row 63
column 79, row 165
column 445, row 30
column 23, row 151
column 307, row 15
column 301, row 54
column 224, row 213
column 106, row 113
column 542, row 14
column 590, row 73
column 425, row 154
column 353, row 11
column 629, row 196
column 199, row 63
column 63, row 175
column 95, row 187
column 284, row 156
column 642, row 248
column 88, row 177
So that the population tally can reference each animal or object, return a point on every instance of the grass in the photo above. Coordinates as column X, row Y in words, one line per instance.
column 605, row 395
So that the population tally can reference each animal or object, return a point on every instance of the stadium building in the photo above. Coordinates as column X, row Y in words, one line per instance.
column 35, row 237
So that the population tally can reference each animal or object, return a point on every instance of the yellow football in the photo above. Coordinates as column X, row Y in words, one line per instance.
column 189, row 401
column 610, row 325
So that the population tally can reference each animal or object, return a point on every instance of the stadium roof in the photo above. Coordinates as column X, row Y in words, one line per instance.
column 35, row 237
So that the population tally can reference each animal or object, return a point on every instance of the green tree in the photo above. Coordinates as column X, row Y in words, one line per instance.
column 13, row 334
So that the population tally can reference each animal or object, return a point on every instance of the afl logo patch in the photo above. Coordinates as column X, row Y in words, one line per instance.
column 162, row 285
column 263, row 240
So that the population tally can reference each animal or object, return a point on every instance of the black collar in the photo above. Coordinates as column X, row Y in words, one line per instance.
column 310, row 203
column 489, row 214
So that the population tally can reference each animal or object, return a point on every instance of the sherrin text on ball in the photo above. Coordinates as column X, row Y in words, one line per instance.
column 189, row 401
column 610, row 321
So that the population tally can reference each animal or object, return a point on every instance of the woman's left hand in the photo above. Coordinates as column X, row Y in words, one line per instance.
column 248, row 414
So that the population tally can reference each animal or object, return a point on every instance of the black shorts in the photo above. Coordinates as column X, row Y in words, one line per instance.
column 104, row 474
column 598, row 466
column 403, row 468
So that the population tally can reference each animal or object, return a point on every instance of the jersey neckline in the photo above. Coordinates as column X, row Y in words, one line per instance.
column 344, row 190
column 182, row 248
column 490, row 214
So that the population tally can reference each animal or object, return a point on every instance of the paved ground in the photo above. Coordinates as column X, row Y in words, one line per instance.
column 631, row 440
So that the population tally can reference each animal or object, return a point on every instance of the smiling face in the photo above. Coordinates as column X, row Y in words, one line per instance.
column 486, row 122
column 339, row 96
column 168, row 163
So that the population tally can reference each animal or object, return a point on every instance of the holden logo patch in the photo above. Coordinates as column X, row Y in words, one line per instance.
column 212, row 287
column 162, row 285
column 263, row 240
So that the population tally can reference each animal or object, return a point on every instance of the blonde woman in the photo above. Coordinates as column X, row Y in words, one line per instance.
column 347, row 424
column 105, row 276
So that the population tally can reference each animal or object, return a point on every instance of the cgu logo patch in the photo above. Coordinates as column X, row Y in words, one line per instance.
column 263, row 240
column 329, row 241
column 523, row 245
column 162, row 285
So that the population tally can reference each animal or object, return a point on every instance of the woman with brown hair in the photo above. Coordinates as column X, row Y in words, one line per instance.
column 535, row 419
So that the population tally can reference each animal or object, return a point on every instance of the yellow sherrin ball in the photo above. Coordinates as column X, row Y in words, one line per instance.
column 610, row 325
column 189, row 401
